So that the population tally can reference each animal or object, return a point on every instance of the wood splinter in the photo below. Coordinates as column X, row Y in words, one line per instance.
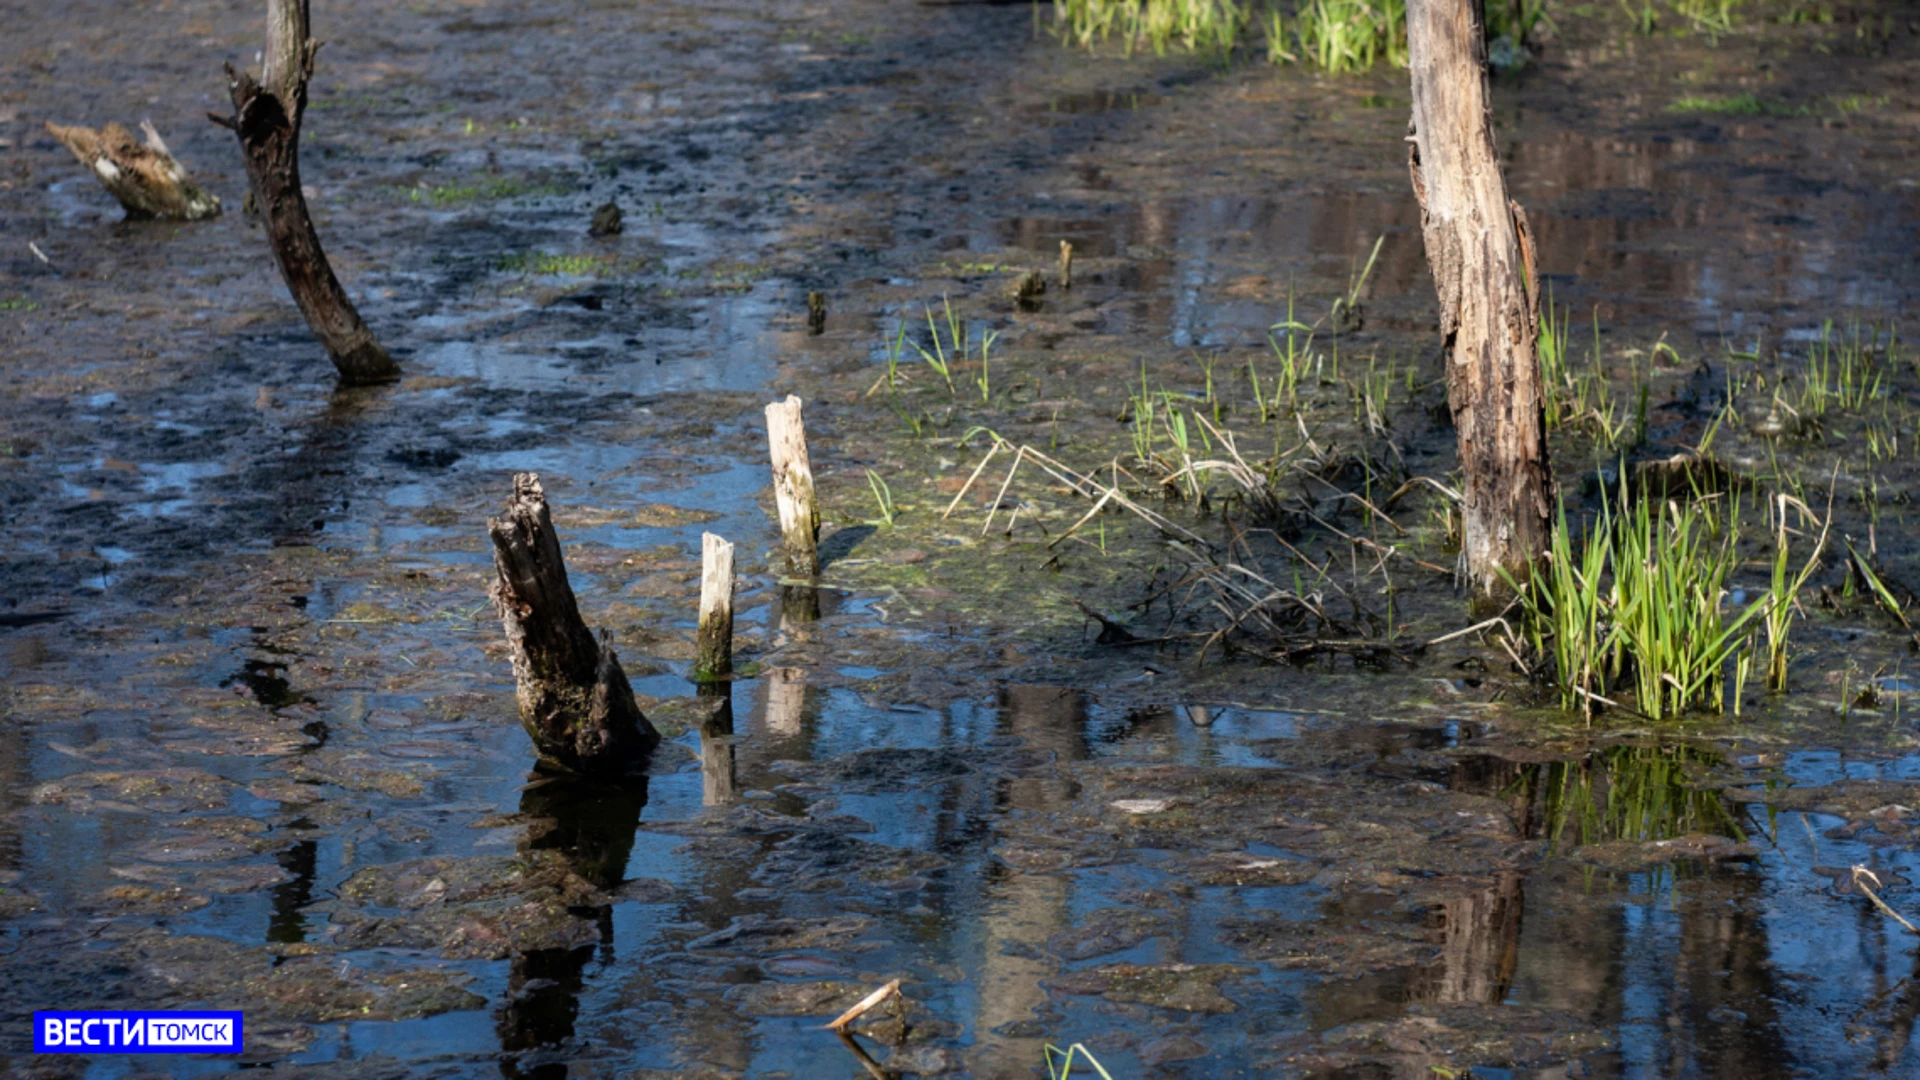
column 148, row 180
column 793, row 487
column 714, row 658
column 575, row 701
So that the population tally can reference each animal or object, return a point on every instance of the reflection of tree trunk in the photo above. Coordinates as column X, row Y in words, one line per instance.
column 1483, row 268
column 1482, row 943
column 592, row 825
column 1724, row 992
column 267, row 118
column 288, row 924
column 1023, row 910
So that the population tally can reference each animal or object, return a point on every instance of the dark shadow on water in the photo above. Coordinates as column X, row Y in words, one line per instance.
column 841, row 544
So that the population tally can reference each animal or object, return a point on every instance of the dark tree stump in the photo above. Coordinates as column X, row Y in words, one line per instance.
column 267, row 118
column 575, row 701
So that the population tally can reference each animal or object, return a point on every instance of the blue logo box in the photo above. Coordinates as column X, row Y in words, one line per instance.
column 152, row 1032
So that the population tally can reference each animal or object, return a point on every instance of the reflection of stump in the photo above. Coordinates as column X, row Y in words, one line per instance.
column 786, row 700
column 267, row 118
column 574, row 700
column 717, row 777
column 147, row 180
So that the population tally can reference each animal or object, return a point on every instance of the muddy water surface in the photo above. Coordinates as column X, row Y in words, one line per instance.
column 259, row 747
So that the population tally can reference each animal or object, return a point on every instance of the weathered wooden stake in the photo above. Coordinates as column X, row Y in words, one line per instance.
column 1481, row 254
column 1066, row 264
column 267, row 118
column 147, row 180
column 793, row 487
column 714, row 659
column 575, row 701
column 816, row 312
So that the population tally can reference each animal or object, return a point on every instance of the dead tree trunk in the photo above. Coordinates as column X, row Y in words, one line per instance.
column 148, row 180
column 267, row 118
column 575, row 701
column 1483, row 264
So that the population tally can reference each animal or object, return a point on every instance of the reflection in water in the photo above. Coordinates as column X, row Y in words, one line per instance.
column 717, row 774
column 288, row 924
column 592, row 825
column 1635, row 793
column 1021, row 911
column 784, row 702
column 1482, row 943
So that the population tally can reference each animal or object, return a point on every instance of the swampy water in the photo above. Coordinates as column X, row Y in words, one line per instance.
column 258, row 747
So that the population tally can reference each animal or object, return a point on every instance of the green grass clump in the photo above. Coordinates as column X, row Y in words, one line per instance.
column 1640, row 605
column 1341, row 36
column 1843, row 372
column 1208, row 26
column 541, row 263
column 492, row 189
column 1733, row 105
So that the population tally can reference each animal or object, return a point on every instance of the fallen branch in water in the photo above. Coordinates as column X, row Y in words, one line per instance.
column 865, row 1006
column 1862, row 872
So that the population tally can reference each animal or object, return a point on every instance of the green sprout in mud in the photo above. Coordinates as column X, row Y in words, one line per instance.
column 956, row 348
column 882, row 498
column 1842, row 373
column 1060, row 1062
column 17, row 303
column 1296, row 358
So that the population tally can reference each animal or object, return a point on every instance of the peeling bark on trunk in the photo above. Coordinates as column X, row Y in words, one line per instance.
column 575, row 701
column 148, row 180
column 267, row 118
column 1481, row 254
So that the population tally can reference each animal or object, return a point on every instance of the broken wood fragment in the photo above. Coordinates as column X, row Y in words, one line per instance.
column 714, row 656
column 575, row 702
column 266, row 116
column 148, row 180
column 1066, row 264
column 864, row 1006
column 793, row 492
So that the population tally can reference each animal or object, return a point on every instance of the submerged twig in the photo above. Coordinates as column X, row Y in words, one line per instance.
column 866, row 1005
column 1860, row 872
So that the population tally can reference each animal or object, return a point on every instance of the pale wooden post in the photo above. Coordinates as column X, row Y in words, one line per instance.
column 793, row 487
column 1481, row 254
column 714, row 658
column 1066, row 264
